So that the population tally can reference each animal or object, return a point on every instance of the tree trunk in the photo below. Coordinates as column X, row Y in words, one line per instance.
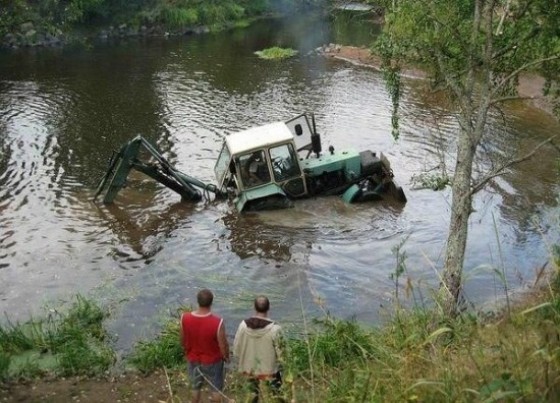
column 450, row 289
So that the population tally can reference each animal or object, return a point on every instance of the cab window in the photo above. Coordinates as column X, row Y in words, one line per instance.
column 284, row 162
column 254, row 169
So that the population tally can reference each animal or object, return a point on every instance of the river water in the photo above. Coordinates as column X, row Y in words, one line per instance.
column 63, row 112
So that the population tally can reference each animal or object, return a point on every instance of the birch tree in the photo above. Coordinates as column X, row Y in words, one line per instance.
column 475, row 50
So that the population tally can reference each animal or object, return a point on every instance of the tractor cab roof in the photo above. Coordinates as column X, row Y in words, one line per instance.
column 258, row 137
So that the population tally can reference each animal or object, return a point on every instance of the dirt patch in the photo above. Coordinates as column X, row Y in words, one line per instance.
column 530, row 85
column 362, row 56
column 125, row 388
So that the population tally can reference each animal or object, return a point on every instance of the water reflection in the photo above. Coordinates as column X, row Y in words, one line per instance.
column 141, row 232
column 249, row 237
column 507, row 137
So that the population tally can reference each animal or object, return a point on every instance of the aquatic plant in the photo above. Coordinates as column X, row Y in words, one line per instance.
column 431, row 181
column 276, row 53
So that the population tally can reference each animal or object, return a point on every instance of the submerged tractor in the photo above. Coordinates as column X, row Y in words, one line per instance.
column 265, row 167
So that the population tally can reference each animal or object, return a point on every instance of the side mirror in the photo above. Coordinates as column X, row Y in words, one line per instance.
column 316, row 144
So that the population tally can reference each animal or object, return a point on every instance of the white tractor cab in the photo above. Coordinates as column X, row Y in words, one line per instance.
column 260, row 168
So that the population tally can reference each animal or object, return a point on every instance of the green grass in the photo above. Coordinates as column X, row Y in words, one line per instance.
column 215, row 16
column 179, row 17
column 165, row 351
column 72, row 342
column 276, row 53
column 417, row 356
column 421, row 357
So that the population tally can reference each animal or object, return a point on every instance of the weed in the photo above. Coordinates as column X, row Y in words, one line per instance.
column 336, row 343
column 180, row 17
column 276, row 53
column 4, row 365
column 163, row 352
column 71, row 343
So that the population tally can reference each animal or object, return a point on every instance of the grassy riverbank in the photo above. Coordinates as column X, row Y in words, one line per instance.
column 48, row 22
column 417, row 356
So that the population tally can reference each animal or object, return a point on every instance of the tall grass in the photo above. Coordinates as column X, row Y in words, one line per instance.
column 420, row 355
column 215, row 15
column 462, row 360
column 73, row 342
column 165, row 351
column 178, row 17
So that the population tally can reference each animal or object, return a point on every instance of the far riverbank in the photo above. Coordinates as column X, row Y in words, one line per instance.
column 531, row 85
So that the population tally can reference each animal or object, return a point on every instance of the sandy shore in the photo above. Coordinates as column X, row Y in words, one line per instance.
column 530, row 85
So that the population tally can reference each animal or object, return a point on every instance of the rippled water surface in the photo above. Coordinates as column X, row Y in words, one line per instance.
column 62, row 113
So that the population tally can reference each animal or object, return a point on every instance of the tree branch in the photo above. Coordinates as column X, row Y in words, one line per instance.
column 454, row 84
column 522, row 68
column 452, row 28
column 472, row 50
column 516, row 44
column 496, row 101
column 501, row 23
column 486, row 84
column 500, row 170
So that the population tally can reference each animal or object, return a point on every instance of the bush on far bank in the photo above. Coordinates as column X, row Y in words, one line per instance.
column 25, row 23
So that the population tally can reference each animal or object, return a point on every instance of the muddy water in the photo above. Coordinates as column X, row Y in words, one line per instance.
column 62, row 113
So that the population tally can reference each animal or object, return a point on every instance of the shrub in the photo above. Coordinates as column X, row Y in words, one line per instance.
column 180, row 17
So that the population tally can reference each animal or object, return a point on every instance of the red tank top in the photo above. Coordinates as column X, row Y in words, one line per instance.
column 201, row 335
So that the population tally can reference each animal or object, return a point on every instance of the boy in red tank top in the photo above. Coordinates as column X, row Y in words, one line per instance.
column 204, row 341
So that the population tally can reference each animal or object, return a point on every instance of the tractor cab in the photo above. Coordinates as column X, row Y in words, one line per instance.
column 260, row 166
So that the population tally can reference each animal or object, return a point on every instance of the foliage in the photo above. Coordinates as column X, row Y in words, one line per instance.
column 439, row 37
column 475, row 51
column 13, row 13
column 422, row 356
column 431, row 181
column 336, row 343
column 178, row 17
column 70, row 343
column 276, row 53
column 4, row 365
column 163, row 352
column 418, row 355
column 23, row 21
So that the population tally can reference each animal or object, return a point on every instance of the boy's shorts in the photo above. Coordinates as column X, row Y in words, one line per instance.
column 211, row 373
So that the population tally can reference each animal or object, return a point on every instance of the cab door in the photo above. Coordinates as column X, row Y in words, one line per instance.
column 286, row 170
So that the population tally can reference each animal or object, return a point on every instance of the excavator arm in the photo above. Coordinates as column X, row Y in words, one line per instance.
column 162, row 171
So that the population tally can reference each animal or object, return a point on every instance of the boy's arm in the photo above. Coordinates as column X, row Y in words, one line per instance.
column 223, row 343
column 237, row 341
column 278, row 342
column 183, row 336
